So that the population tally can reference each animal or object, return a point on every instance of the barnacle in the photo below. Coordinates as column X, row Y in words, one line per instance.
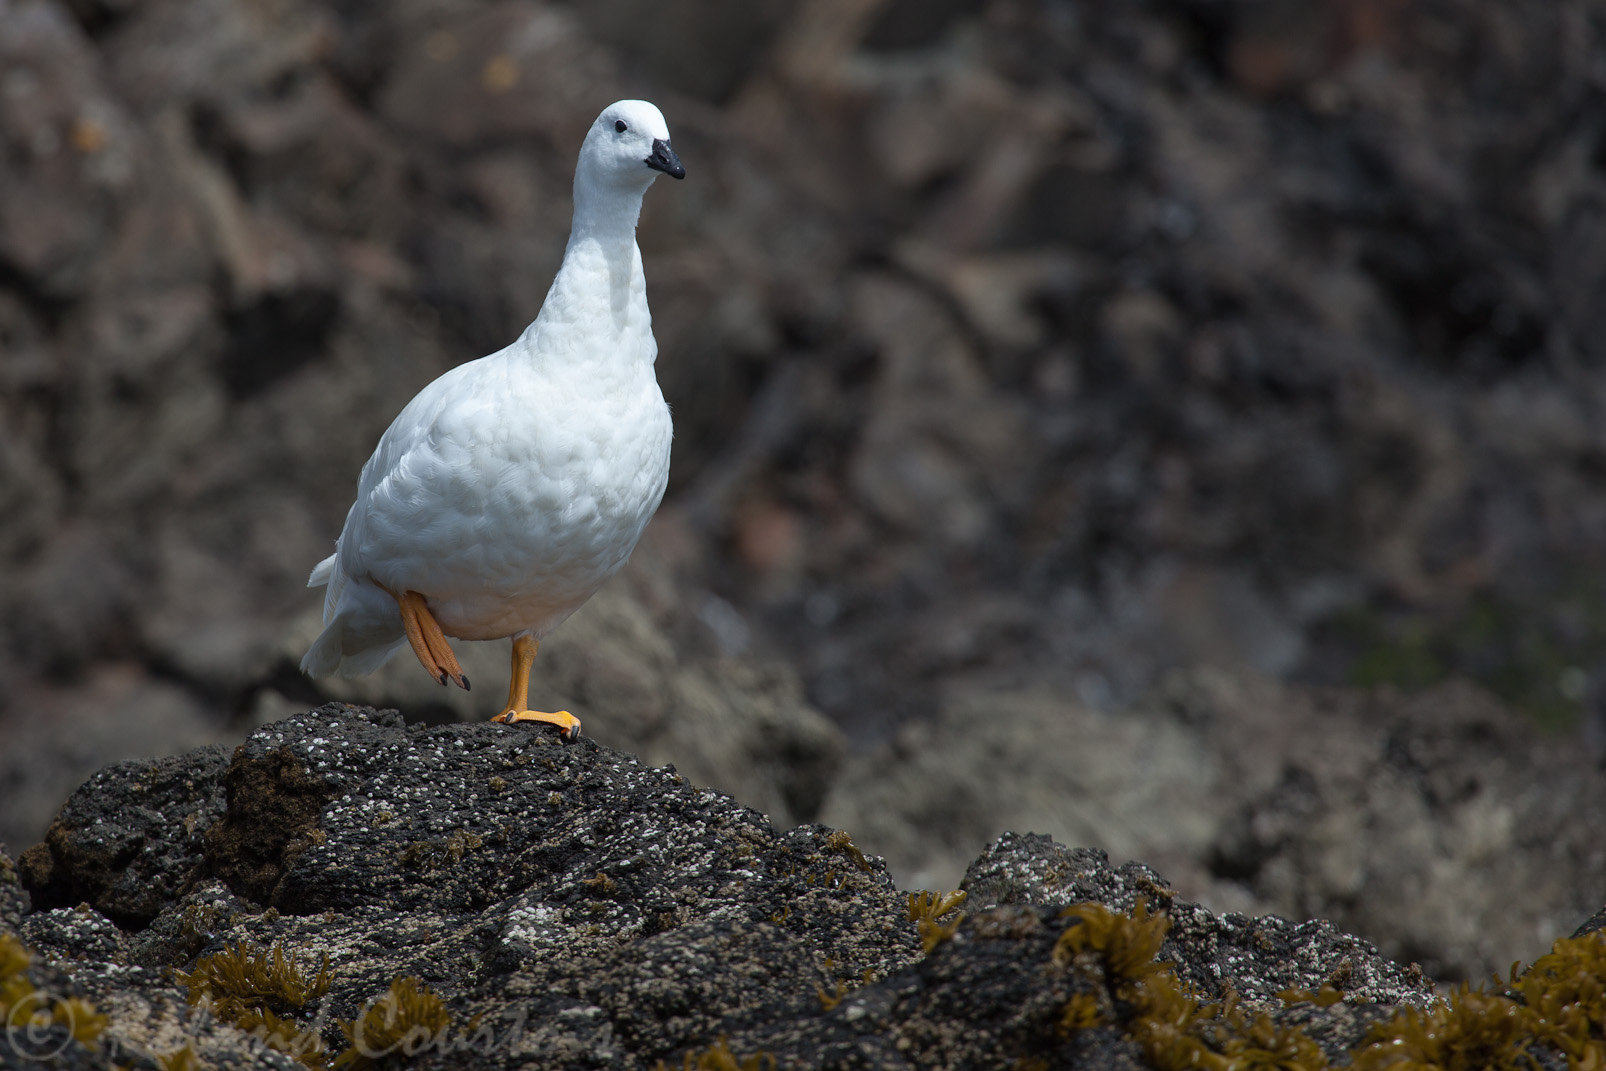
column 830, row 998
column 404, row 1019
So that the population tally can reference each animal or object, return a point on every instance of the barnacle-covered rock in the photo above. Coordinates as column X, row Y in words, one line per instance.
column 367, row 889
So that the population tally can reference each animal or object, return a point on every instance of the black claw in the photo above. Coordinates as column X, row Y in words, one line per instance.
column 465, row 682
column 443, row 678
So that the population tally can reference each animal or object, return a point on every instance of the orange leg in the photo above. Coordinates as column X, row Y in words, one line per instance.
column 518, row 694
column 427, row 639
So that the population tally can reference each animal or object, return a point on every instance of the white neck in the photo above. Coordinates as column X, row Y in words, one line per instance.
column 596, row 310
column 608, row 212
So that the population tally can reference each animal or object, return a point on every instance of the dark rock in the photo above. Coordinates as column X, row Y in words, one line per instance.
column 14, row 901
column 1257, row 957
column 675, row 990
column 1595, row 922
column 128, row 841
column 574, row 906
column 75, row 933
column 274, row 805
column 1031, row 869
column 991, row 995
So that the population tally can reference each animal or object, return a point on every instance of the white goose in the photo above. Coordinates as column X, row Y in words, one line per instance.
column 510, row 488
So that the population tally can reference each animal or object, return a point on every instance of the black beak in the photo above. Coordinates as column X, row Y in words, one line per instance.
column 663, row 159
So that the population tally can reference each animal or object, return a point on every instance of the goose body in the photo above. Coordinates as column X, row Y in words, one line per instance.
column 510, row 488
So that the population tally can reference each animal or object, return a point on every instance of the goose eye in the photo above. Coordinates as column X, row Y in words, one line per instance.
column 619, row 125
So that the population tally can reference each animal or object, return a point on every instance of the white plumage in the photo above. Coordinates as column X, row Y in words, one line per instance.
column 511, row 487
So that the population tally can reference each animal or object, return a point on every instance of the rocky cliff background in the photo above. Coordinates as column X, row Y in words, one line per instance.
column 1176, row 426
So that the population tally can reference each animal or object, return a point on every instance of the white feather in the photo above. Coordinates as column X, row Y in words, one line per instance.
column 511, row 487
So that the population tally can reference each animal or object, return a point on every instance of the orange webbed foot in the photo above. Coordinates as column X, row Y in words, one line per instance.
column 568, row 725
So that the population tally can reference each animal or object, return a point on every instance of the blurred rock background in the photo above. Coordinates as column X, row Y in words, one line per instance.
column 1178, row 426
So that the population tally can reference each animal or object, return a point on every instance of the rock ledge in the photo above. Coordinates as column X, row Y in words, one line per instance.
column 578, row 909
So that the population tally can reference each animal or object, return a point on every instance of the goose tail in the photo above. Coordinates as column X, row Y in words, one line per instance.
column 362, row 628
